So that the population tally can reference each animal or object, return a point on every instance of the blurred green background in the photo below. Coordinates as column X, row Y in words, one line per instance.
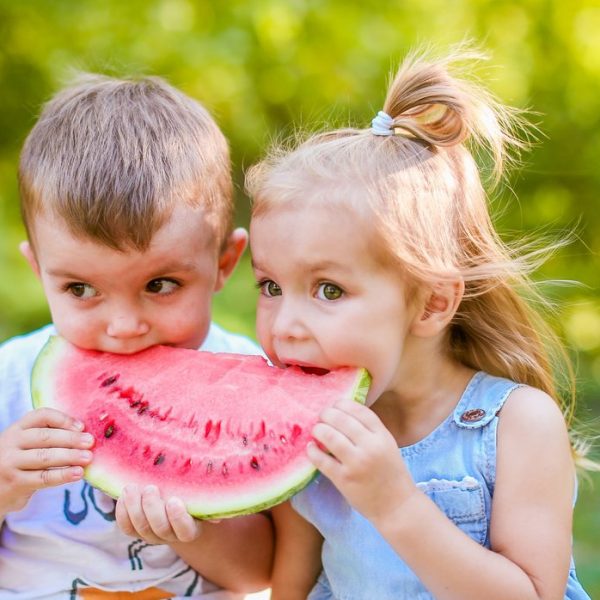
column 265, row 67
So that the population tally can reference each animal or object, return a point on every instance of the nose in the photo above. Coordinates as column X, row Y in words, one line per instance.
column 289, row 322
column 126, row 324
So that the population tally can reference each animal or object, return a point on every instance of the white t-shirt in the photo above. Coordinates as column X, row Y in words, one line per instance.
column 65, row 541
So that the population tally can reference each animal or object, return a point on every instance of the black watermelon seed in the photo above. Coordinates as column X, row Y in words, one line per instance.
column 109, row 381
column 254, row 463
column 109, row 430
column 159, row 459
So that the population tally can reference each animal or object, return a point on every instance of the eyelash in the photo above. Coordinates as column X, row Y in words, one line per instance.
column 70, row 286
column 260, row 285
column 165, row 279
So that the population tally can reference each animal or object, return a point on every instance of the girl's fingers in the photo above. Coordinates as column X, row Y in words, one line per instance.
column 51, row 458
column 54, row 438
column 185, row 527
column 333, row 441
column 361, row 413
column 346, row 424
column 50, row 417
column 323, row 461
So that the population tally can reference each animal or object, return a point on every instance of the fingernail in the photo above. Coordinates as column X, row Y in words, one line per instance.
column 76, row 473
column 78, row 425
column 175, row 503
column 85, row 455
column 87, row 439
column 151, row 489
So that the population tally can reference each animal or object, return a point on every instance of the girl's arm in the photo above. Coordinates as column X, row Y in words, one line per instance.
column 297, row 561
column 531, row 512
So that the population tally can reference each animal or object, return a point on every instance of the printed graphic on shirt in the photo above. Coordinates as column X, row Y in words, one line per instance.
column 88, row 496
column 80, row 590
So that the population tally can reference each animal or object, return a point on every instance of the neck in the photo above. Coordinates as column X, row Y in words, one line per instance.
column 424, row 396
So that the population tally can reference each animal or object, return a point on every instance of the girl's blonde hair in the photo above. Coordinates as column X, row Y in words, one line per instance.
column 422, row 190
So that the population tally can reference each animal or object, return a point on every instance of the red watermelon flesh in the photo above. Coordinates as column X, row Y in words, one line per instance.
column 226, row 433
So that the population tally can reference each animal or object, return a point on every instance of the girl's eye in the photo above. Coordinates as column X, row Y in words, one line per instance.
column 84, row 291
column 269, row 288
column 161, row 286
column 329, row 291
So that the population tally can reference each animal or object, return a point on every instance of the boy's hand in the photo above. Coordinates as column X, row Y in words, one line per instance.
column 362, row 459
column 144, row 514
column 44, row 448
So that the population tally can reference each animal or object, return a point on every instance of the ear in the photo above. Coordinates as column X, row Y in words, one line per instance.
column 27, row 251
column 440, row 306
column 230, row 255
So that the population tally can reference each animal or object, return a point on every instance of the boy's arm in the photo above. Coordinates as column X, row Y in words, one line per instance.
column 236, row 554
column 297, row 561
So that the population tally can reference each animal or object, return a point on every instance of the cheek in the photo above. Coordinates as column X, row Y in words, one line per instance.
column 81, row 330
column 263, row 324
column 262, row 328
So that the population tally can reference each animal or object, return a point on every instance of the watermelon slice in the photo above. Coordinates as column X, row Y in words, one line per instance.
column 226, row 433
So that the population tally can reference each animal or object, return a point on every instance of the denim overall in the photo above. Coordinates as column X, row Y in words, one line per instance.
column 455, row 466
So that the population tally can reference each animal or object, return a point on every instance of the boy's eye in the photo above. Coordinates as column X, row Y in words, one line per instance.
column 269, row 288
column 81, row 290
column 161, row 286
column 329, row 291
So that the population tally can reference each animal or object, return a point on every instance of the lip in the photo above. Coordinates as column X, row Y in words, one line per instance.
column 305, row 366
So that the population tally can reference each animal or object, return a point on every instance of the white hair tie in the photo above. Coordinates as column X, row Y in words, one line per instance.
column 382, row 124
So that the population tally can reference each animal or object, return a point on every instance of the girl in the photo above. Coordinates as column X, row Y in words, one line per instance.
column 374, row 248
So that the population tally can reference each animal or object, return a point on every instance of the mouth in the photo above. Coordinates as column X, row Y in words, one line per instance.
column 307, row 368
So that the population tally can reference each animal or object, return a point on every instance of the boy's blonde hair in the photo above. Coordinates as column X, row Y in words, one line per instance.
column 113, row 156
column 421, row 191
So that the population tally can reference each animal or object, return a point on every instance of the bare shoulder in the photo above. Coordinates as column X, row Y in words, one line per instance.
column 532, row 426
column 531, row 411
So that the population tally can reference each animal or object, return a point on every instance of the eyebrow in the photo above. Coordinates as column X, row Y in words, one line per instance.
column 312, row 268
column 172, row 267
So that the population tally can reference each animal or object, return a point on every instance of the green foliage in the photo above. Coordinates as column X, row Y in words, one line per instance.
column 264, row 67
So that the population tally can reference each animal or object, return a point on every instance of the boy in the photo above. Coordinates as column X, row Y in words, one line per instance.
column 126, row 196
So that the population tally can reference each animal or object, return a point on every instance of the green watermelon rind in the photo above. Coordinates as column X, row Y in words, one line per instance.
column 45, row 369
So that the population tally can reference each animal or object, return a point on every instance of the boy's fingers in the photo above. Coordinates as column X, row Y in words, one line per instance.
column 49, row 458
column 156, row 514
column 35, row 480
column 132, row 499
column 50, row 417
column 185, row 527
column 122, row 518
column 47, row 437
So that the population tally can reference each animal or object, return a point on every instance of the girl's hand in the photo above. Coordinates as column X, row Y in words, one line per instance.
column 361, row 458
column 44, row 448
column 144, row 514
